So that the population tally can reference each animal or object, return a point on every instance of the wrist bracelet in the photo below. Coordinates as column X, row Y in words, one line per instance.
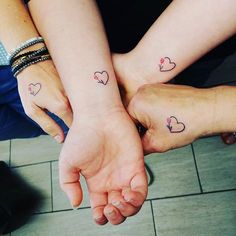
column 26, row 61
column 31, row 54
column 24, row 45
column 30, row 62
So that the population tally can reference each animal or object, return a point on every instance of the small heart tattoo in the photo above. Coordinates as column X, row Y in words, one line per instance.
column 101, row 77
column 34, row 88
column 166, row 64
column 174, row 125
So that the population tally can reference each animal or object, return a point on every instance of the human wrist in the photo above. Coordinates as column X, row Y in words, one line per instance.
column 96, row 111
column 217, row 110
column 129, row 78
column 225, row 109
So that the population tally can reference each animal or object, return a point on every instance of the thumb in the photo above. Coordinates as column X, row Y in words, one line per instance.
column 138, row 115
column 149, row 142
column 70, row 183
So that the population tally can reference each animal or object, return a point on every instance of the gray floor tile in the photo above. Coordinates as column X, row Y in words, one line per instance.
column 35, row 150
column 60, row 201
column 4, row 151
column 74, row 223
column 203, row 215
column 175, row 173
column 216, row 163
column 38, row 176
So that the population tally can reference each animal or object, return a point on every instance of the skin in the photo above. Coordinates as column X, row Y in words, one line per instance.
column 17, row 27
column 204, row 112
column 103, row 144
column 143, row 65
column 173, row 33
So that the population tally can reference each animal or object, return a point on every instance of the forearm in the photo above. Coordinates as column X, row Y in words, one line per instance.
column 76, row 39
column 16, row 25
column 184, row 32
column 224, row 112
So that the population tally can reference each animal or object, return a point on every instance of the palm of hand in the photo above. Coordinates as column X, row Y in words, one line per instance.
column 109, row 156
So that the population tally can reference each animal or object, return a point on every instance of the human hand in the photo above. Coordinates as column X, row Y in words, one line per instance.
column 172, row 115
column 41, row 90
column 128, row 76
column 107, row 151
column 132, row 74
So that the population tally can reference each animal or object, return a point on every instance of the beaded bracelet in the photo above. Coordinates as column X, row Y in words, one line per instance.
column 31, row 54
column 24, row 45
column 28, row 63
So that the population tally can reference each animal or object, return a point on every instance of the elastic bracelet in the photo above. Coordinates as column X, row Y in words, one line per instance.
column 24, row 45
column 31, row 54
column 32, row 61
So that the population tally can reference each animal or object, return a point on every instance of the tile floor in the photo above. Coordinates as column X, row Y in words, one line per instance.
column 194, row 192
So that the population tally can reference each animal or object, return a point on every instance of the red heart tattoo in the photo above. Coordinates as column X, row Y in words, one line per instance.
column 174, row 125
column 166, row 64
column 101, row 77
column 34, row 88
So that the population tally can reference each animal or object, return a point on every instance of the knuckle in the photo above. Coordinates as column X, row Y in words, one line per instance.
column 31, row 112
column 62, row 107
column 137, row 103
column 143, row 90
column 160, row 146
column 48, row 128
column 157, row 144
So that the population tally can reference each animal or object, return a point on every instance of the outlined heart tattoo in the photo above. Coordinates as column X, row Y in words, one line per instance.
column 101, row 77
column 34, row 88
column 174, row 125
column 166, row 64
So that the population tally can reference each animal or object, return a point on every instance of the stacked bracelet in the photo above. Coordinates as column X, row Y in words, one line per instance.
column 28, row 63
column 30, row 54
column 19, row 61
column 25, row 45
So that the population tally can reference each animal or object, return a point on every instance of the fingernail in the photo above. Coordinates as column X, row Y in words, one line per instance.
column 130, row 200
column 98, row 218
column 118, row 204
column 111, row 213
column 58, row 138
column 127, row 199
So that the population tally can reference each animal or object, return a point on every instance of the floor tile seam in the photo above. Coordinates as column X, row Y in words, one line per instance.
column 196, row 168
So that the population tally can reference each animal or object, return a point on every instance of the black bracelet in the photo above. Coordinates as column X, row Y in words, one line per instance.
column 25, row 61
column 20, row 58
column 28, row 63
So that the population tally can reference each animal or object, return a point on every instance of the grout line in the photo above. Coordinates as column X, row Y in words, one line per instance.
column 153, row 219
column 51, row 185
column 193, row 194
column 63, row 210
column 195, row 162
column 149, row 199
column 32, row 164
